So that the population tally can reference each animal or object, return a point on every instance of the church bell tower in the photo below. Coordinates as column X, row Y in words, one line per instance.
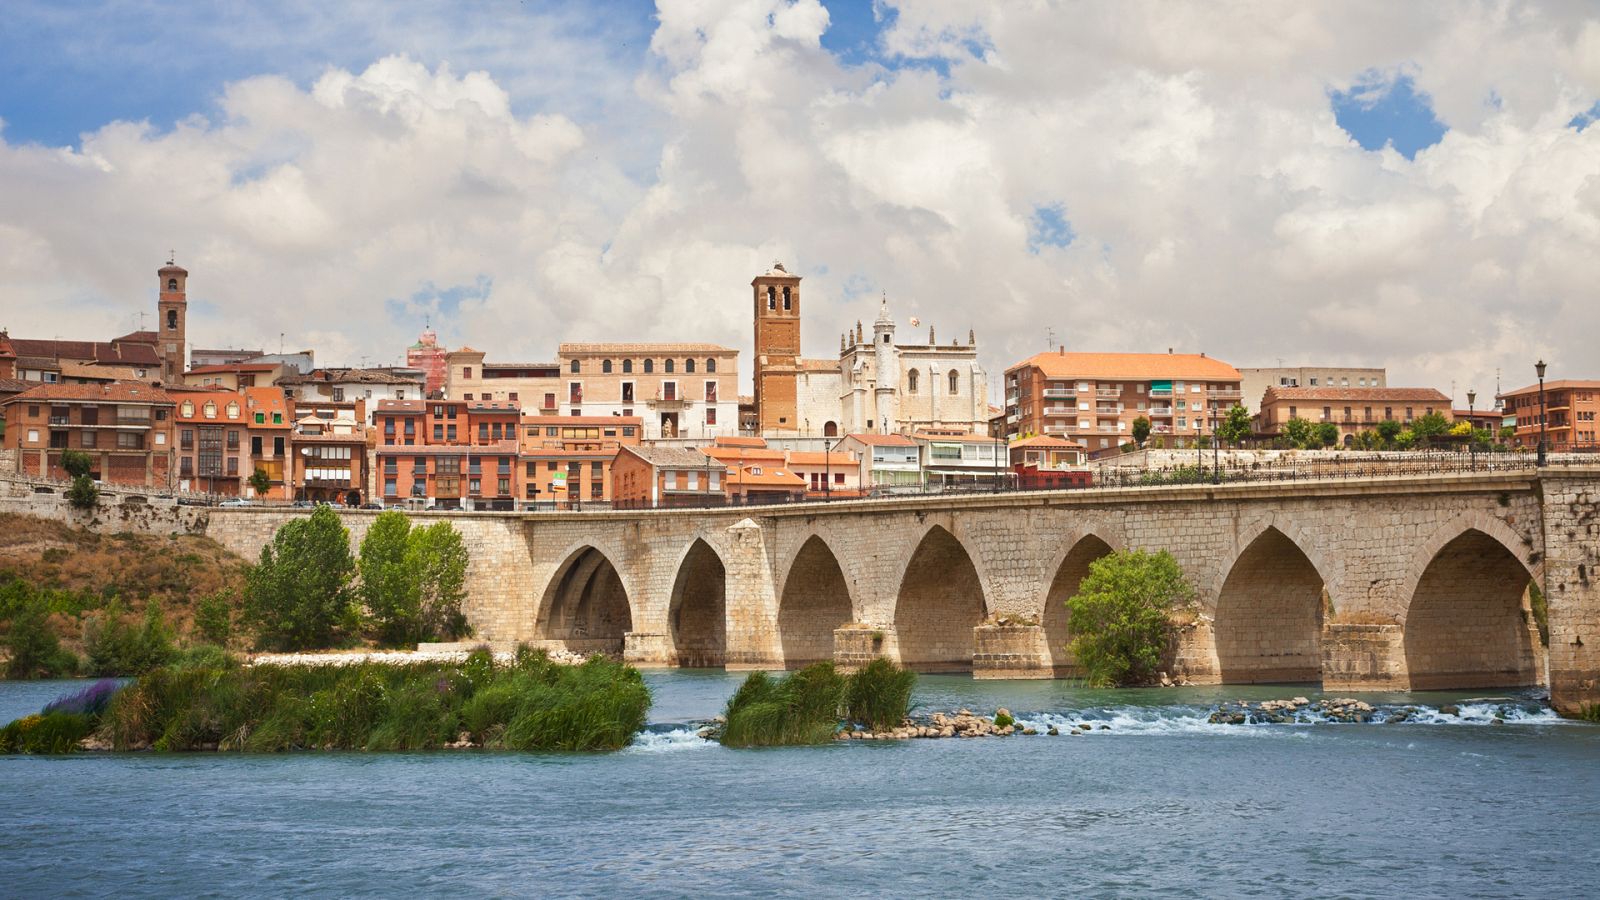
column 172, row 313
column 777, row 350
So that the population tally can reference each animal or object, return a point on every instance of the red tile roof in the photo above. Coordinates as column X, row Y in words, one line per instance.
column 883, row 440
column 1562, row 384
column 1130, row 366
column 1357, row 394
column 134, row 354
column 113, row 392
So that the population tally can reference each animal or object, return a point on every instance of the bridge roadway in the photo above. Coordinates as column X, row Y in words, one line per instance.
column 1399, row 582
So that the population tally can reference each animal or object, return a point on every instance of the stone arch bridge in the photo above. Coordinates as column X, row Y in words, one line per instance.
column 1405, row 582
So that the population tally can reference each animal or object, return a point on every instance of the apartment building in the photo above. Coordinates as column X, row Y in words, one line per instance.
column 330, row 453
column 447, row 454
column 1570, row 410
column 566, row 460
column 960, row 458
column 125, row 427
column 213, row 454
column 884, row 461
column 1354, row 410
column 1094, row 398
column 269, row 430
column 347, row 385
column 1047, row 453
column 1255, row 381
column 679, row 390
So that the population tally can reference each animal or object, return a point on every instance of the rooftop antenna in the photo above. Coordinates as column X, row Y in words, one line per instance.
column 280, row 343
column 1049, row 337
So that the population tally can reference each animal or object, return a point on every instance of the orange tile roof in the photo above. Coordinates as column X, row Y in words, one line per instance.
column 1549, row 386
column 116, row 391
column 582, row 420
column 768, row 477
column 739, row 441
column 1045, row 440
column 883, row 440
column 1371, row 395
column 818, row 458
column 1130, row 366
column 729, row 454
column 199, row 399
column 266, row 400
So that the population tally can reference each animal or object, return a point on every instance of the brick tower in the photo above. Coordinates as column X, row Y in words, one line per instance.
column 777, row 350
column 172, row 314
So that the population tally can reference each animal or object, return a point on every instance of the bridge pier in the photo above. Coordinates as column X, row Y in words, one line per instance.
column 648, row 649
column 1571, row 519
column 1013, row 651
column 1364, row 658
column 856, row 646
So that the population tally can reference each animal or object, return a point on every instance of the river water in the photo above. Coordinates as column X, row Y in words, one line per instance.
column 1160, row 804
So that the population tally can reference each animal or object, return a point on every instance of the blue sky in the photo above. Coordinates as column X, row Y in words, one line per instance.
column 1386, row 108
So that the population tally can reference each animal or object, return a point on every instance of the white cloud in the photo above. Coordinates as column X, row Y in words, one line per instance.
column 1217, row 205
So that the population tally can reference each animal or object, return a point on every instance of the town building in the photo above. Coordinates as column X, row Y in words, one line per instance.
column 234, row 376
column 125, row 427
column 1094, row 398
column 446, row 454
column 756, row 473
column 428, row 357
column 1570, row 411
column 347, row 385
column 955, row 459
column 688, row 391
column 566, row 461
column 875, row 385
column 269, row 429
column 1047, row 453
column 1482, row 419
column 172, row 321
column 829, row 475
column 534, row 386
column 131, row 357
column 330, row 453
column 198, row 357
column 1255, row 381
column 651, row 476
column 213, row 455
column 1354, row 410
column 886, row 461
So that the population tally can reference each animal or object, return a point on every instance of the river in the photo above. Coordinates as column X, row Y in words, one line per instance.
column 1159, row 804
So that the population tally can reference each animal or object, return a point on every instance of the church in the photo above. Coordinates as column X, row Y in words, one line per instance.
column 876, row 385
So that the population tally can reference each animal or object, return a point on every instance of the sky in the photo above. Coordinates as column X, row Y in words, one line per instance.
column 1414, row 186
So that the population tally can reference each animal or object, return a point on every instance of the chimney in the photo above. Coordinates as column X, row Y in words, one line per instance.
column 1169, row 351
column 1202, row 354
column 1063, row 350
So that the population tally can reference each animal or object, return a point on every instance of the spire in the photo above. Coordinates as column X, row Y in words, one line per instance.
column 972, row 338
column 883, row 312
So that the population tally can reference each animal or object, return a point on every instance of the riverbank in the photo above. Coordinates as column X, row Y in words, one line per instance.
column 396, row 657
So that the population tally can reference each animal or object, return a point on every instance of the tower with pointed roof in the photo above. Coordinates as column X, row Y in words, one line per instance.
column 172, row 315
column 777, row 349
column 887, row 369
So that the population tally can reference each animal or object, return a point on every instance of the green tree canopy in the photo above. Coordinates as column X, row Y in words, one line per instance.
column 1299, row 432
column 1235, row 426
column 260, row 481
column 76, row 463
column 298, row 596
column 1430, row 425
column 1389, row 432
column 1327, row 434
column 1141, row 430
column 413, row 580
column 1119, row 618
column 438, row 557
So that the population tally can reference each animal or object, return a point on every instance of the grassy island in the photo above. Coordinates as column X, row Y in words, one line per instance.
column 810, row 705
column 530, row 703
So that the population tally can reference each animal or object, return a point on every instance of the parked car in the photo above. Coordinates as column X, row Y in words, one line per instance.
column 236, row 501
column 303, row 504
column 372, row 506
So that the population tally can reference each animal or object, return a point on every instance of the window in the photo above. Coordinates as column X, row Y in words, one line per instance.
column 574, row 367
column 277, row 446
column 277, row 418
column 87, row 440
column 466, row 396
column 711, row 415
column 787, row 300
column 669, row 389
column 627, row 431
column 450, row 433
column 483, row 432
column 233, row 410
column 772, row 297
column 186, row 439
column 694, row 479
column 549, row 401
column 130, row 440
column 513, row 396
column 261, row 418
column 255, row 445
column 187, row 409
column 466, row 372
column 688, row 366
column 233, row 465
column 605, row 367
column 172, row 284
column 649, row 366
column 711, row 365
column 667, row 367
column 233, row 439
column 172, row 320
column 338, row 395
column 711, row 392
column 911, row 381
column 627, row 392
column 955, row 382
column 575, row 392
column 33, row 435
column 438, row 432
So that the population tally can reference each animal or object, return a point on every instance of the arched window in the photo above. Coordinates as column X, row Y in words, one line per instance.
column 711, row 365
column 688, row 366
column 772, row 298
column 955, row 382
column 233, row 410
column 627, row 367
column 787, row 302
column 574, row 367
column 172, row 320
column 172, row 284
column 649, row 366
column 667, row 367
column 605, row 367
column 911, row 381
column 830, row 429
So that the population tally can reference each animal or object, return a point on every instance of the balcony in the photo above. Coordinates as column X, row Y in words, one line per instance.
column 668, row 403
column 1164, row 412
column 1107, row 429
column 1060, row 411
column 1060, row 392
column 1108, row 409
column 1161, row 392
column 1108, row 393
column 1060, row 429
column 60, row 420
column 1223, row 394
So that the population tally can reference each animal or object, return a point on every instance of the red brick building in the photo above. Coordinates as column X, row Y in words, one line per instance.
column 269, row 431
column 1353, row 410
column 566, row 460
column 212, row 451
column 125, row 427
column 665, row 476
column 1571, row 410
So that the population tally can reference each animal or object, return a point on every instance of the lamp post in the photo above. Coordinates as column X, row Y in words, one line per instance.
column 1539, row 368
column 1216, row 451
column 1472, row 429
column 1199, row 461
column 997, row 445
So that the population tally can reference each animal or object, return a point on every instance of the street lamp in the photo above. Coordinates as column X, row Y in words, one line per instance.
column 1472, row 429
column 1216, row 452
column 1539, row 368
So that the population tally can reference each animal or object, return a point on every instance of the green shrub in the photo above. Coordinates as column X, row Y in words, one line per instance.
column 35, row 650
column 879, row 694
column 83, row 494
column 203, row 656
column 116, row 648
column 1001, row 720
column 48, row 733
column 1119, row 618
column 213, row 619
column 1541, row 612
column 412, row 580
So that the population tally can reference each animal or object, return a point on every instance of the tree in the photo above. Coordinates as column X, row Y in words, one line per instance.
column 260, row 481
column 298, row 596
column 76, row 463
column 213, row 618
column 1299, row 432
column 1507, row 433
column 1327, row 434
column 1119, row 618
column 438, row 559
column 1429, row 426
column 114, row 647
column 83, row 494
column 388, row 585
column 1235, row 426
column 35, row 650
column 1389, row 432
column 1141, row 430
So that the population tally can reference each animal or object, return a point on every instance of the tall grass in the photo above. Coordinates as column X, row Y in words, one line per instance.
column 530, row 704
column 806, row 707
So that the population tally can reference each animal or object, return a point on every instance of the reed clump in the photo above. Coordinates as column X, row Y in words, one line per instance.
column 808, row 706
column 530, row 703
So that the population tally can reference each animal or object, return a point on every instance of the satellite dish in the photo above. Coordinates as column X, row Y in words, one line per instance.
column 915, row 321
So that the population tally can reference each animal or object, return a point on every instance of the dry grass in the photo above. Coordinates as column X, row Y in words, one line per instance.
column 175, row 570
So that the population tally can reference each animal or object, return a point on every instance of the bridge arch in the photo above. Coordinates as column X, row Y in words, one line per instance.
column 1268, row 616
column 586, row 604
column 814, row 600
column 1467, row 620
column 940, row 601
column 697, row 613
column 1071, row 566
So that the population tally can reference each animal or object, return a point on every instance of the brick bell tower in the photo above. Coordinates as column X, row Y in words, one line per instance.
column 172, row 314
column 777, row 349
